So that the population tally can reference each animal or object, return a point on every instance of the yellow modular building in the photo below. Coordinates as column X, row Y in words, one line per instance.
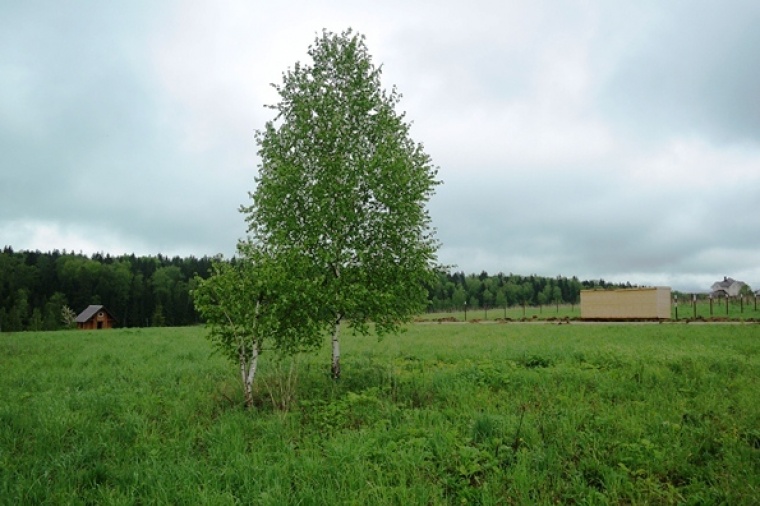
column 628, row 303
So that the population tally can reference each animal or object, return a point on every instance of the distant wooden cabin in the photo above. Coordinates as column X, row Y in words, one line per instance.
column 626, row 304
column 95, row 317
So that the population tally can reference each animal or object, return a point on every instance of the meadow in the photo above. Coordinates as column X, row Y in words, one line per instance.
column 517, row 413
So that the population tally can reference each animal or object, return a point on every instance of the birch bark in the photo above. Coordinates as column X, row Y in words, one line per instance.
column 248, row 366
column 248, row 371
column 335, row 335
column 336, row 349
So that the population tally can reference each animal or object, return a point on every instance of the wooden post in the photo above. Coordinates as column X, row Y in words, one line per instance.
column 695, row 305
column 675, row 302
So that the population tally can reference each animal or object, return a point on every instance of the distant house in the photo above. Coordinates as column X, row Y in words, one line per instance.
column 728, row 287
column 95, row 317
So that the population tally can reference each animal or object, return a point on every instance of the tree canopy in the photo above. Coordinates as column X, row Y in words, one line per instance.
column 253, row 300
column 342, row 183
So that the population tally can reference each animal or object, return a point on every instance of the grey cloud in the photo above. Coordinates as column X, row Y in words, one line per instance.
column 556, row 129
column 695, row 72
column 95, row 136
column 597, row 225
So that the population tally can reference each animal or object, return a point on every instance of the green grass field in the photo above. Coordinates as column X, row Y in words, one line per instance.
column 442, row 414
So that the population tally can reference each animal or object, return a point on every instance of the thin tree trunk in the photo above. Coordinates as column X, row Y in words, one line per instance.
column 244, row 375
column 248, row 368
column 336, row 331
column 248, row 371
column 252, row 368
column 336, row 349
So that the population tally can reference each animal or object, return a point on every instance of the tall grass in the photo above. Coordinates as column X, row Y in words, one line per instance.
column 442, row 414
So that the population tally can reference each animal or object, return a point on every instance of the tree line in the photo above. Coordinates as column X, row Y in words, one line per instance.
column 138, row 291
column 145, row 291
column 452, row 291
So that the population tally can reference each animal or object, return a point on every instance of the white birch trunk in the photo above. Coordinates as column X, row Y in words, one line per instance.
column 335, row 342
column 248, row 367
column 243, row 374
column 252, row 367
column 336, row 349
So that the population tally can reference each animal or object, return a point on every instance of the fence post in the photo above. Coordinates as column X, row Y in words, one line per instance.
column 695, row 305
column 675, row 302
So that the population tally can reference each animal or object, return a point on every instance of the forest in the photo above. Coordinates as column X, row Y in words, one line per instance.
column 147, row 291
column 139, row 291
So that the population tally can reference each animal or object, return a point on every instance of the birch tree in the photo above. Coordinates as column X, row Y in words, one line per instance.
column 253, row 300
column 342, row 181
column 68, row 317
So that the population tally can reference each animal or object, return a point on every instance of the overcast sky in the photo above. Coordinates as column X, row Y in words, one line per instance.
column 590, row 138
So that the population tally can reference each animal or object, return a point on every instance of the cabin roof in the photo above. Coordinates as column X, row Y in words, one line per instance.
column 91, row 310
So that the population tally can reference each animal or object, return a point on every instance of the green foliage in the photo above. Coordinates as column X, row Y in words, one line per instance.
column 448, row 291
column 130, row 287
column 534, row 361
column 35, row 322
column 230, row 301
column 255, row 299
column 172, row 294
column 53, row 311
column 342, row 183
column 158, row 319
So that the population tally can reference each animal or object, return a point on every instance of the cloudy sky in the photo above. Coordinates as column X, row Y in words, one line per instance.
column 589, row 138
